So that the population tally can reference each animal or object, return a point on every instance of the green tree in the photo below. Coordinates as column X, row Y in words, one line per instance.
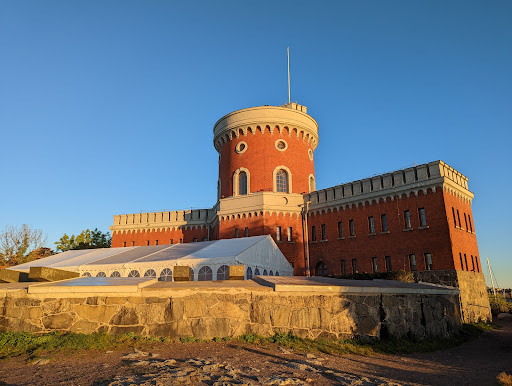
column 17, row 244
column 86, row 239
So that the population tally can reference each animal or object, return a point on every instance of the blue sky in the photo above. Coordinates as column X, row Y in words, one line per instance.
column 107, row 107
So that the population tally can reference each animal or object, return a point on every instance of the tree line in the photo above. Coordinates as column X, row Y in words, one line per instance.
column 21, row 244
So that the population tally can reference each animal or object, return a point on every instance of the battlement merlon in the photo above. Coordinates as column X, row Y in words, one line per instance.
column 167, row 219
column 433, row 175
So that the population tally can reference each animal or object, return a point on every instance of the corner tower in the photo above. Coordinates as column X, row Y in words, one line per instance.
column 266, row 165
column 273, row 146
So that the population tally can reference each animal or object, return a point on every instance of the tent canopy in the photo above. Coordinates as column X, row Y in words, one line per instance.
column 259, row 254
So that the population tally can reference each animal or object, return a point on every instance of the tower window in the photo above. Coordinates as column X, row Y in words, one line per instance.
column 407, row 219
column 343, row 267
column 282, row 181
column 458, row 218
column 290, row 234
column 423, row 217
column 412, row 261
column 236, row 233
column 246, row 232
column 313, row 233
column 324, row 233
column 340, row 229
column 312, row 186
column 389, row 268
column 470, row 225
column 354, row 266
column 466, row 221
column 351, row 228
column 454, row 218
column 242, row 183
column 375, row 263
column 428, row 261
column 384, row 222
column 371, row 225
column 278, row 234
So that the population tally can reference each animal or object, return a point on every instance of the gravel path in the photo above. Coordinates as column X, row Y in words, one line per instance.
column 232, row 363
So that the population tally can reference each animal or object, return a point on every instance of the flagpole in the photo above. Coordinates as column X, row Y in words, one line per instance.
column 288, row 54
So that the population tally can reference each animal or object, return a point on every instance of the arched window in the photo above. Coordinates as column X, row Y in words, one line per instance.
column 205, row 273
column 321, row 269
column 277, row 273
column 242, row 183
column 86, row 274
column 312, row 185
column 134, row 273
column 271, row 273
column 256, row 272
column 101, row 274
column 223, row 272
column 265, row 273
column 150, row 273
column 165, row 275
column 249, row 273
column 282, row 181
column 115, row 274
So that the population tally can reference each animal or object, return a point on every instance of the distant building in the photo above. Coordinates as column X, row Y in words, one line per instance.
column 416, row 219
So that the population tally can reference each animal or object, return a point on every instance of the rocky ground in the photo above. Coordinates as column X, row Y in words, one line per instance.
column 233, row 363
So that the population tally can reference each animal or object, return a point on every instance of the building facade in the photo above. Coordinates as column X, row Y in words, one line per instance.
column 416, row 219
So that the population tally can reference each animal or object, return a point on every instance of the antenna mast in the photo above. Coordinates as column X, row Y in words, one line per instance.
column 288, row 53
column 491, row 274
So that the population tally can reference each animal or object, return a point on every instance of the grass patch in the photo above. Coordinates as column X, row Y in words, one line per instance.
column 20, row 343
column 364, row 347
column 24, row 343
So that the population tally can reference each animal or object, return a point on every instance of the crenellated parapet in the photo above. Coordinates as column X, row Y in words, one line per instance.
column 291, row 119
column 410, row 181
column 154, row 221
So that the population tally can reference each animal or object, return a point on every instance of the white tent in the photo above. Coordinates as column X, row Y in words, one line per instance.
column 210, row 260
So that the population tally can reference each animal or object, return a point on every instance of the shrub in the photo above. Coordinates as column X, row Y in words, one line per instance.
column 504, row 379
column 394, row 275
column 499, row 304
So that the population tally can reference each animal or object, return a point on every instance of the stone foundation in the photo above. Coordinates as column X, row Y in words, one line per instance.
column 219, row 312
column 474, row 302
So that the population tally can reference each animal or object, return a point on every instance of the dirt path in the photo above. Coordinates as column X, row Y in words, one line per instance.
column 473, row 363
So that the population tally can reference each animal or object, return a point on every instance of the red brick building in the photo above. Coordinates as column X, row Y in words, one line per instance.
column 415, row 219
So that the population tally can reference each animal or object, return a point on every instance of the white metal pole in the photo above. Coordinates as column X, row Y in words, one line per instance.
column 492, row 278
column 288, row 53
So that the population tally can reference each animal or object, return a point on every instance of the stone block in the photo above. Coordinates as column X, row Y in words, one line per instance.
column 58, row 321
column 236, row 272
column 125, row 317
column 50, row 274
column 85, row 327
column 118, row 330
column 183, row 273
column 12, row 276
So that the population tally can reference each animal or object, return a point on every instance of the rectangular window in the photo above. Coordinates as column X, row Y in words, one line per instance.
column 147, row 242
column 412, row 261
column 371, row 225
column 181, row 241
column 290, row 234
column 172, row 241
column 461, row 263
column 278, row 233
column 340, row 229
column 375, row 264
column 473, row 263
column 324, row 233
column 384, row 222
column 458, row 218
column 389, row 268
column 470, row 225
column 195, row 240
column 156, row 242
column 313, row 233
column 236, row 233
column 476, row 263
column 351, row 228
column 124, row 244
column 133, row 243
column 246, row 232
column 354, row 266
column 343, row 268
column 423, row 217
column 466, row 261
column 407, row 219
column 428, row 262
column 466, row 221
column 454, row 218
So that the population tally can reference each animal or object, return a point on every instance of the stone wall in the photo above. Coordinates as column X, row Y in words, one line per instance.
column 474, row 302
column 209, row 313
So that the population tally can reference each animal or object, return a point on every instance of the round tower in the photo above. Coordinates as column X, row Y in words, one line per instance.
column 266, row 149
